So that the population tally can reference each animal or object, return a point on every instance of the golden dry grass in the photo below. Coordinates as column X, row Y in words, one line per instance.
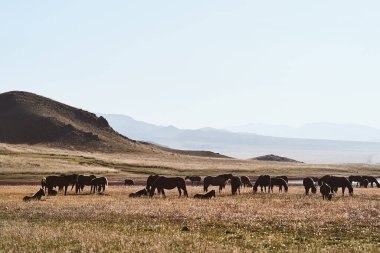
column 244, row 223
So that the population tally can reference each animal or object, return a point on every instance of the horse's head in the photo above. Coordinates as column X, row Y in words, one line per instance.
column 254, row 188
column 314, row 189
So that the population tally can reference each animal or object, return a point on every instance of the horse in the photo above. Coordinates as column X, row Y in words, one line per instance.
column 168, row 183
column 372, row 180
column 284, row 177
column 214, row 181
column 138, row 194
column 226, row 176
column 364, row 183
column 150, row 181
column 245, row 181
column 208, row 195
column 280, row 182
column 37, row 196
column 61, row 182
column 98, row 184
column 309, row 183
column 326, row 191
column 336, row 182
column 235, row 185
column 52, row 192
column 129, row 182
column 193, row 179
column 83, row 181
column 356, row 179
column 262, row 181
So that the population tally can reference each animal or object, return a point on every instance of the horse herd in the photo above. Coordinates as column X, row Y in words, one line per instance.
column 328, row 184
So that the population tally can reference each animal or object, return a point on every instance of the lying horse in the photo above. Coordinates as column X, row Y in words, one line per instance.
column 98, row 184
column 139, row 194
column 245, row 181
column 129, row 182
column 37, row 196
column 336, row 182
column 168, row 183
column 262, row 181
column 62, row 182
column 214, row 181
column 326, row 191
column 150, row 181
column 356, row 179
column 372, row 180
column 280, row 182
column 193, row 179
column 235, row 185
column 309, row 183
column 208, row 195
column 83, row 181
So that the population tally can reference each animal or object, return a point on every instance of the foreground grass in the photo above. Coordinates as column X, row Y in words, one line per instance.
column 244, row 223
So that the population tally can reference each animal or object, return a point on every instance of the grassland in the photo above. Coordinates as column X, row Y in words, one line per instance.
column 244, row 223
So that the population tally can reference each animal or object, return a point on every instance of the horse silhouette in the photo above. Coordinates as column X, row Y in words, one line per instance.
column 263, row 181
column 245, row 181
column 280, row 182
column 168, row 183
column 214, row 181
column 235, row 185
column 309, row 183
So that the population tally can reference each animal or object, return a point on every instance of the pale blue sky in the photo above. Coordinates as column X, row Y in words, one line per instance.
column 199, row 63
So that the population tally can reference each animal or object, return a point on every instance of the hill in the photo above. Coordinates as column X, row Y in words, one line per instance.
column 275, row 158
column 27, row 118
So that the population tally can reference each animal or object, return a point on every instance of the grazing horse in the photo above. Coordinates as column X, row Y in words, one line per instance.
column 336, row 182
column 98, row 184
column 208, row 195
column 193, row 179
column 139, row 194
column 356, row 179
column 61, row 182
column 83, row 181
column 235, row 185
column 168, row 183
column 214, row 181
column 262, row 181
column 372, row 180
column 129, row 182
column 37, row 196
column 364, row 183
column 284, row 177
column 245, row 181
column 326, row 191
column 280, row 182
column 150, row 181
column 309, row 183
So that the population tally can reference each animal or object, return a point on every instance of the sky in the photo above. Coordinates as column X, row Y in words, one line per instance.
column 199, row 63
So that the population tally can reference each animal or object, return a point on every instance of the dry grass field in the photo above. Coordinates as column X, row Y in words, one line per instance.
column 245, row 223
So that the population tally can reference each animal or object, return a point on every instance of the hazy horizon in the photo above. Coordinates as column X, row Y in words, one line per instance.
column 201, row 63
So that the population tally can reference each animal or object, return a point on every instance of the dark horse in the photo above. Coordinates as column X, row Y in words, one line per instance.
column 262, row 181
column 99, row 184
column 168, row 183
column 336, row 182
column 150, row 181
column 37, row 196
column 372, row 180
column 83, row 181
column 356, row 179
column 196, row 179
column 208, row 195
column 61, row 182
column 326, row 191
column 364, row 183
column 214, row 181
column 129, row 182
column 226, row 176
column 309, row 183
column 235, row 185
column 138, row 194
column 245, row 181
column 280, row 182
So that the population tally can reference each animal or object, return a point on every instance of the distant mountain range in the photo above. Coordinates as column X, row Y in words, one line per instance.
column 247, row 145
column 324, row 131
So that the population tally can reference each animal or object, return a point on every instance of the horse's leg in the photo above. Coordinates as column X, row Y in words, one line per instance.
column 179, row 191
column 163, row 193
column 343, row 189
column 66, row 186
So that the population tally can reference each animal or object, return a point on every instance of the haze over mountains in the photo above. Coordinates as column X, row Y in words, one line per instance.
column 248, row 145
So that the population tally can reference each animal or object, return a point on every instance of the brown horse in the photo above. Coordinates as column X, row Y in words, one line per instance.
column 235, row 185
column 196, row 179
column 83, row 181
column 245, row 181
column 208, row 195
column 337, row 182
column 150, row 181
column 168, row 183
column 262, row 181
column 62, row 182
column 280, row 182
column 98, row 184
column 214, row 181
column 129, row 182
column 139, row 194
column 37, row 196
column 309, row 183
